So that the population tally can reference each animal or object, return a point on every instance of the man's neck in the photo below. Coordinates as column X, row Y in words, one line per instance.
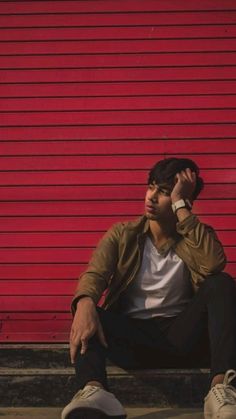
column 160, row 232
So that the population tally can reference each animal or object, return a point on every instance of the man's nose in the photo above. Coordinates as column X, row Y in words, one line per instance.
column 154, row 196
column 153, row 199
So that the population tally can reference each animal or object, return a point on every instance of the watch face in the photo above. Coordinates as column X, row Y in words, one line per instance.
column 179, row 204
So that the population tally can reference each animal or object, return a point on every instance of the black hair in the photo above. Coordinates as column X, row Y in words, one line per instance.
column 165, row 170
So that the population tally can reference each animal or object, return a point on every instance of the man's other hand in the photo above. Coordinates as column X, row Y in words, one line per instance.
column 85, row 324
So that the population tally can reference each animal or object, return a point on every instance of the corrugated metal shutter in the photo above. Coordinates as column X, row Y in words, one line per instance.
column 93, row 93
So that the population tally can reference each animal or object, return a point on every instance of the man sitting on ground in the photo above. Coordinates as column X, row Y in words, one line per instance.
column 165, row 285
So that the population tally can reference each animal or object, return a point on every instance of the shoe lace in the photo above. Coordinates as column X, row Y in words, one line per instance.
column 224, row 394
column 229, row 376
column 85, row 392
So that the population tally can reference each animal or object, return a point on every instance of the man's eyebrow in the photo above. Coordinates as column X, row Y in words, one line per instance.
column 164, row 186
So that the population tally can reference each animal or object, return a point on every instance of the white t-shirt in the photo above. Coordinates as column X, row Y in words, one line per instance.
column 162, row 286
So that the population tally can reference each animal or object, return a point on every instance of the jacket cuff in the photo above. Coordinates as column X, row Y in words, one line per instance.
column 76, row 299
column 185, row 226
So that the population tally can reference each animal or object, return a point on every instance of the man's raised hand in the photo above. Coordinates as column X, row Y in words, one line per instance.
column 185, row 185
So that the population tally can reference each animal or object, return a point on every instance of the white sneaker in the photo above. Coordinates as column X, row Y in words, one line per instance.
column 93, row 403
column 221, row 399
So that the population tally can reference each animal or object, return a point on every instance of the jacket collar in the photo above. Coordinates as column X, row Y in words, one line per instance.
column 170, row 242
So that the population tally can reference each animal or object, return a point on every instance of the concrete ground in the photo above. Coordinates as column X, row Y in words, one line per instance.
column 139, row 413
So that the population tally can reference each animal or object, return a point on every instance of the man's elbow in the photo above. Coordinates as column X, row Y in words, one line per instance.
column 216, row 265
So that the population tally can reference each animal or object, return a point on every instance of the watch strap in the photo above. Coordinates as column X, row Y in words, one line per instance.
column 181, row 203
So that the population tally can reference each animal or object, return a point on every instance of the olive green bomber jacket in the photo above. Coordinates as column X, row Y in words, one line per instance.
column 117, row 258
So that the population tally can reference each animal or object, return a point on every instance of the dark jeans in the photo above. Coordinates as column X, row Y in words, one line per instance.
column 204, row 334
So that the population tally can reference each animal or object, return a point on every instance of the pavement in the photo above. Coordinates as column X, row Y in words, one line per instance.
column 139, row 413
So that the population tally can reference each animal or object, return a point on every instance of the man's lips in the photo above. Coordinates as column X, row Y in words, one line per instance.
column 150, row 208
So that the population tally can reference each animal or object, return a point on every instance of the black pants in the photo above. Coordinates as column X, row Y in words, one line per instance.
column 202, row 335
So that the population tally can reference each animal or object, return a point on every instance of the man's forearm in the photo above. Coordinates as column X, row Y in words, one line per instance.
column 183, row 213
column 84, row 299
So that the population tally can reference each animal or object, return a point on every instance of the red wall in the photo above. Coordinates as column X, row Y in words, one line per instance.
column 93, row 93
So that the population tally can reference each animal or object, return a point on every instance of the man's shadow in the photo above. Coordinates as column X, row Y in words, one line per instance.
column 172, row 414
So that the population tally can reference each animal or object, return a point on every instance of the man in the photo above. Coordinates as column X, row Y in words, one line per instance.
column 164, row 283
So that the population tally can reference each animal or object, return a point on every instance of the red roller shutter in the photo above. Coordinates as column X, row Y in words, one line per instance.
column 93, row 93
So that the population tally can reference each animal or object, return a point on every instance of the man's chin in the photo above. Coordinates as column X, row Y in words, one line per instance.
column 151, row 216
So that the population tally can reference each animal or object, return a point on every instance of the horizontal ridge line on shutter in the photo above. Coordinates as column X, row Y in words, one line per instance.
column 114, row 39
column 116, row 26
column 232, row 245
column 177, row 109
column 114, row 54
column 90, row 20
column 36, row 155
column 114, row 68
column 50, row 140
column 118, row 12
column 97, row 111
column 230, row 123
column 113, row 200
column 56, row 263
column 97, row 170
column 93, row 217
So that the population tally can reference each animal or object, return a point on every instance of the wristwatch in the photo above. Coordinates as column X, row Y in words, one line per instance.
column 182, row 203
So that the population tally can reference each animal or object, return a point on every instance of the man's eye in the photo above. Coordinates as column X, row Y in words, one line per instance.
column 167, row 193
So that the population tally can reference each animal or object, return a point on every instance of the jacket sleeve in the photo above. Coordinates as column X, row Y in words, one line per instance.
column 102, row 266
column 204, row 247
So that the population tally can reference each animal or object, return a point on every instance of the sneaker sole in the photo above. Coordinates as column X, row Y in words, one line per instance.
column 84, row 413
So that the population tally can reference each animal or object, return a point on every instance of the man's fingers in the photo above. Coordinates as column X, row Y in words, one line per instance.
column 184, row 174
column 75, row 341
column 84, row 345
column 194, row 176
column 74, row 346
column 73, row 351
column 72, row 334
column 191, row 175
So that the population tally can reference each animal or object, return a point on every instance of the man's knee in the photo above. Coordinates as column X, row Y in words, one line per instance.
column 221, row 280
column 108, row 321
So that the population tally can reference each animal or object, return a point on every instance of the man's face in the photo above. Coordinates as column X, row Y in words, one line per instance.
column 158, row 202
